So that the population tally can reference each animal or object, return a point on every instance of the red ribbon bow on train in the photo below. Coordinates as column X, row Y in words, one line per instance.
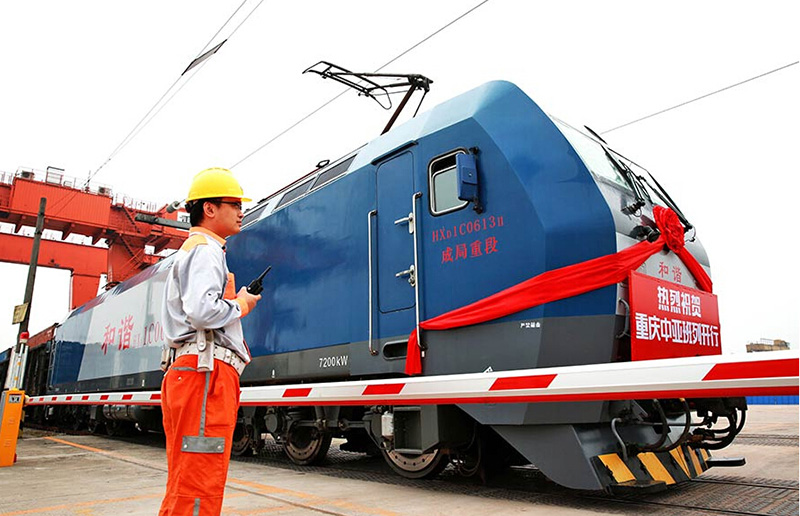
column 565, row 282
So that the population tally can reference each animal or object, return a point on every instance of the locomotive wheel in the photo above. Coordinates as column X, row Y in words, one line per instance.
column 76, row 422
column 242, row 441
column 305, row 445
column 96, row 426
column 116, row 428
column 71, row 418
column 426, row 465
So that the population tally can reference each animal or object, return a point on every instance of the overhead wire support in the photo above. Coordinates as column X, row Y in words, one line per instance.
column 201, row 59
column 328, row 102
column 364, row 84
column 367, row 86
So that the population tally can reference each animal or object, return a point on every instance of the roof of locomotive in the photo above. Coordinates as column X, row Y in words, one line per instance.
column 448, row 113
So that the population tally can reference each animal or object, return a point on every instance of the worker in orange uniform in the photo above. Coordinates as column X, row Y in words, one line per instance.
column 206, row 354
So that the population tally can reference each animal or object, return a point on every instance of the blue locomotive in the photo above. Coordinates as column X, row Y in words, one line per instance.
column 472, row 197
column 5, row 362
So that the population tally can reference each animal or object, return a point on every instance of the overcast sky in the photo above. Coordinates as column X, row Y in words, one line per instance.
column 78, row 76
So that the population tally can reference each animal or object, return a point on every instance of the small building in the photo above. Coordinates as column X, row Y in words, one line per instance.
column 767, row 345
column 770, row 345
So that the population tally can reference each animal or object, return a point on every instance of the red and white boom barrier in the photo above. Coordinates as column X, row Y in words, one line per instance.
column 757, row 374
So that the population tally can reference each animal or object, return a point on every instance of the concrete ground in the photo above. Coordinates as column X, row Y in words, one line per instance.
column 92, row 476
column 777, row 462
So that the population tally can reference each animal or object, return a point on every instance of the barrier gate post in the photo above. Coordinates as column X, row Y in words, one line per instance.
column 10, row 415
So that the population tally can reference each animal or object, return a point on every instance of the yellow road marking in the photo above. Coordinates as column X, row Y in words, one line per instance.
column 254, row 512
column 79, row 505
column 76, row 445
column 115, row 455
column 262, row 488
column 312, row 499
column 272, row 489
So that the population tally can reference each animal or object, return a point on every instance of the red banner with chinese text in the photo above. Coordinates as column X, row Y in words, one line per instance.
column 669, row 320
column 565, row 282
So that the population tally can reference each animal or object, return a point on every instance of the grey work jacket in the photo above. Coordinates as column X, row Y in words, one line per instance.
column 193, row 295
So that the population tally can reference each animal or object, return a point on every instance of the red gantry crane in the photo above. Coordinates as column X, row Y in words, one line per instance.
column 127, row 226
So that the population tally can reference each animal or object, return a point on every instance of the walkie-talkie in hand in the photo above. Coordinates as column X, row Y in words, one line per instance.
column 255, row 286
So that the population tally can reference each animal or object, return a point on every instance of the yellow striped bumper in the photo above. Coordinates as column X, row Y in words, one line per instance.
column 651, row 470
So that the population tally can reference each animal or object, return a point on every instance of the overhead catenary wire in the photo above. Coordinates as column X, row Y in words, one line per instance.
column 700, row 97
column 423, row 40
column 140, row 127
column 194, row 66
column 328, row 102
column 225, row 24
column 157, row 107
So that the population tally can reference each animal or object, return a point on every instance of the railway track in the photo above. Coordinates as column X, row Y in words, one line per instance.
column 767, row 440
column 708, row 495
column 751, row 482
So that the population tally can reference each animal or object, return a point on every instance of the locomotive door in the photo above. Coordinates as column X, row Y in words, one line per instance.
column 395, row 247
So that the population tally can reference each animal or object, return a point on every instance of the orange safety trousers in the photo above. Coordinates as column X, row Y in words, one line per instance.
column 199, row 411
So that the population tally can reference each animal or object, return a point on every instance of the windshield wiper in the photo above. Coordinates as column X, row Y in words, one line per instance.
column 595, row 134
column 638, row 189
column 638, row 184
column 666, row 199
column 660, row 192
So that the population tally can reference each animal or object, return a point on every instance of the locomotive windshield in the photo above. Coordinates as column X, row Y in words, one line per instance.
column 612, row 166
column 593, row 155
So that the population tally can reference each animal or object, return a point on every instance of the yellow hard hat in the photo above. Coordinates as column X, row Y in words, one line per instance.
column 215, row 182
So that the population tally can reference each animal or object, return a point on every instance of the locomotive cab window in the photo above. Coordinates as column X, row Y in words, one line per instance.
column 443, row 179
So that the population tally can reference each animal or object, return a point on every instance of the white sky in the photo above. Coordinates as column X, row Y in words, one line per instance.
column 77, row 76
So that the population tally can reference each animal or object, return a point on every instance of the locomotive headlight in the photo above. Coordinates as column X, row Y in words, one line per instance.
column 387, row 425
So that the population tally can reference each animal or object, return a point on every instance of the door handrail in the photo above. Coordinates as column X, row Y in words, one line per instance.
column 371, row 214
column 413, row 223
